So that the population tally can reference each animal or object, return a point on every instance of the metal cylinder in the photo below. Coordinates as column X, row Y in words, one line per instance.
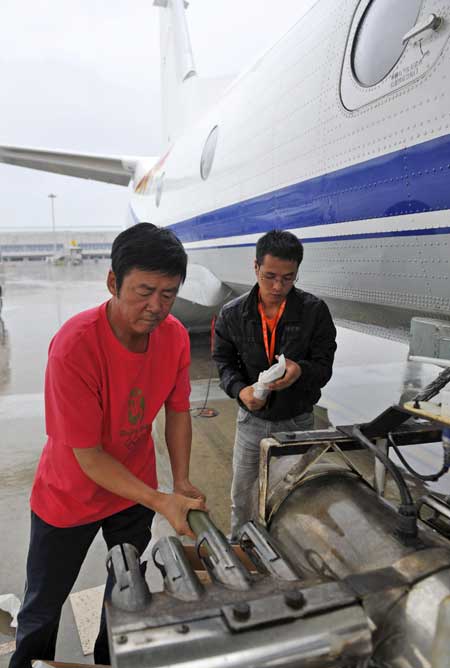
column 215, row 552
column 200, row 521
column 335, row 525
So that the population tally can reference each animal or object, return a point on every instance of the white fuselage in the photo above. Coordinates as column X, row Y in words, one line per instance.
column 360, row 174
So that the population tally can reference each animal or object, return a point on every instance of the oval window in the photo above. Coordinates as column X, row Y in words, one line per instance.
column 159, row 188
column 209, row 150
column 378, row 41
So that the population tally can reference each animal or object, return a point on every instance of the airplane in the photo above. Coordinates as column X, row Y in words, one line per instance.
column 328, row 135
column 339, row 133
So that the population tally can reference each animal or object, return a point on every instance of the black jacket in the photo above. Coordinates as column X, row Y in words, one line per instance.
column 305, row 334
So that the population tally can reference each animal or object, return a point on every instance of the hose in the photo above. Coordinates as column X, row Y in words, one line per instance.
column 432, row 476
column 406, row 513
column 433, row 388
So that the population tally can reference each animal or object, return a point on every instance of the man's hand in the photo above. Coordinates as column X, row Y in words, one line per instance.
column 246, row 395
column 175, row 508
column 186, row 488
column 293, row 373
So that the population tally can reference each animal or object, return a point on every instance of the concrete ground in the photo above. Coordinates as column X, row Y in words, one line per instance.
column 369, row 374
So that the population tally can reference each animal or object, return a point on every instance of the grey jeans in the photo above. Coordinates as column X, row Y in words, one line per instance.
column 250, row 430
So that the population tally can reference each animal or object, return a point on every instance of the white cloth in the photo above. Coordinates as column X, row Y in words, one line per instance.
column 268, row 376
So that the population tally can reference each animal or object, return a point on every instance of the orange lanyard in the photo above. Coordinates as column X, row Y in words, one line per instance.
column 270, row 351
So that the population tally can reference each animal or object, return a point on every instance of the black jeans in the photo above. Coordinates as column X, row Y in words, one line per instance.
column 54, row 560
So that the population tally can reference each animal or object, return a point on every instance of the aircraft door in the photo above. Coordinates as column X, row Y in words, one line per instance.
column 390, row 45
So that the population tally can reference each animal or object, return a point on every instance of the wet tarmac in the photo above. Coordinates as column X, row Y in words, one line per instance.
column 370, row 374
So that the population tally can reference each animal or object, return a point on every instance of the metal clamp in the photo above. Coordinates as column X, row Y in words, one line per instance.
column 179, row 577
column 263, row 551
column 220, row 561
column 215, row 552
column 130, row 591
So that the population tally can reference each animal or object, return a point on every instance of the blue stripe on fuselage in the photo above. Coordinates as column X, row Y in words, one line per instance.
column 343, row 237
column 412, row 180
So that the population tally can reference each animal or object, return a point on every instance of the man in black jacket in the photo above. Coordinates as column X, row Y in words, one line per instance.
column 251, row 331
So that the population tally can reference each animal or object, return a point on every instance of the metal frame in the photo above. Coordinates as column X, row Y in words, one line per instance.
column 313, row 445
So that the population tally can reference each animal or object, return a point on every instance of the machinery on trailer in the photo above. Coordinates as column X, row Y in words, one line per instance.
column 346, row 563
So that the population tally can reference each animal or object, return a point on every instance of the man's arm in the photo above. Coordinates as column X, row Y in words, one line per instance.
column 109, row 473
column 226, row 356
column 178, row 439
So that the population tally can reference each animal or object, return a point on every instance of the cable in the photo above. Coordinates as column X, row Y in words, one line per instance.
column 433, row 388
column 406, row 513
column 203, row 411
column 405, row 494
column 432, row 476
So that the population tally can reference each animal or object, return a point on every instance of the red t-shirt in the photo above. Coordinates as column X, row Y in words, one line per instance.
column 97, row 392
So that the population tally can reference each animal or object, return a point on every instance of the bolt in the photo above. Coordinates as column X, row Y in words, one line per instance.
column 184, row 628
column 241, row 612
column 295, row 600
column 122, row 639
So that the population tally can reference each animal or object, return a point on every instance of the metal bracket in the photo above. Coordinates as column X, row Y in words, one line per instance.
column 294, row 477
column 290, row 443
column 380, row 469
column 291, row 605
column 312, row 445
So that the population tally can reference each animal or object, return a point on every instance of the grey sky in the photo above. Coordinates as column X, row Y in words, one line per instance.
column 84, row 76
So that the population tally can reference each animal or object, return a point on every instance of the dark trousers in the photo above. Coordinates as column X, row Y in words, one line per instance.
column 54, row 560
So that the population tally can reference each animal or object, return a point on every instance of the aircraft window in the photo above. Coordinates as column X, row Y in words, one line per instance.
column 208, row 153
column 378, row 41
column 159, row 186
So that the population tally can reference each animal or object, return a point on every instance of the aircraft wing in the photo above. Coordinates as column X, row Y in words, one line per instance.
column 110, row 169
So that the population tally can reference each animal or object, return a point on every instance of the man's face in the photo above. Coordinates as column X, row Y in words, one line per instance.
column 144, row 300
column 275, row 279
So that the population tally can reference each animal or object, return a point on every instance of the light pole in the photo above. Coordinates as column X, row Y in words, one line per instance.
column 52, row 200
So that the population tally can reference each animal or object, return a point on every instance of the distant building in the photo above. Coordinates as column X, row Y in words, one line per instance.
column 27, row 245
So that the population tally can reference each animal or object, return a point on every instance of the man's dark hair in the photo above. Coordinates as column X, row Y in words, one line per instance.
column 281, row 244
column 149, row 248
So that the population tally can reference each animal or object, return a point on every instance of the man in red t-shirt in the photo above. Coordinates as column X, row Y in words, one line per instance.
column 110, row 370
